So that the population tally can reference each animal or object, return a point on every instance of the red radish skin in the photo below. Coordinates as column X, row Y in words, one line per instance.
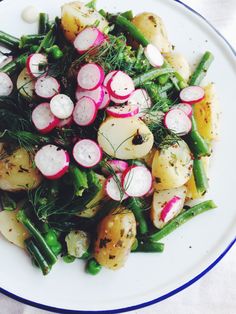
column 47, row 87
column 192, row 94
column 88, row 38
column 114, row 189
column 119, row 101
column 137, row 181
column 85, row 111
column 43, row 119
column 52, row 161
column 6, row 85
column 154, row 56
column 61, row 106
column 188, row 109
column 123, row 111
column 121, row 85
column 34, row 63
column 90, row 76
column 65, row 123
column 178, row 122
column 108, row 77
column 170, row 209
column 106, row 99
column 116, row 165
column 97, row 94
column 141, row 99
column 87, row 153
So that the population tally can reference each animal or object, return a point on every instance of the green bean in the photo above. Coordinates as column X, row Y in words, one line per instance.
column 7, row 202
column 200, row 177
column 15, row 65
column 163, row 79
column 28, row 40
column 137, row 207
column 165, row 88
column 48, row 40
column 151, row 75
column 80, row 180
column 9, row 41
column 128, row 15
column 182, row 218
column 148, row 246
column 197, row 143
column 201, row 69
column 93, row 267
column 103, row 13
column 43, row 23
column 34, row 48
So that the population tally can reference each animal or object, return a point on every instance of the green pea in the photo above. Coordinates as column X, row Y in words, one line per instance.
column 51, row 238
column 56, row 248
column 93, row 267
column 55, row 52
column 86, row 255
column 69, row 259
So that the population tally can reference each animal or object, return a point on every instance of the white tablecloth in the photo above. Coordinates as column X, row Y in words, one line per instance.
column 216, row 292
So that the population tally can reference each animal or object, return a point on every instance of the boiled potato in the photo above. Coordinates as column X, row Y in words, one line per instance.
column 172, row 166
column 25, row 84
column 149, row 157
column 11, row 229
column 17, row 172
column 153, row 28
column 75, row 16
column 180, row 64
column 116, row 234
column 125, row 138
column 207, row 114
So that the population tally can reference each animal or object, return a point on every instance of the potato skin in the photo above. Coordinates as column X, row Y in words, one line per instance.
column 17, row 172
column 116, row 234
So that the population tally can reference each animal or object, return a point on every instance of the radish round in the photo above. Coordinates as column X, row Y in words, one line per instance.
column 52, row 161
column 116, row 166
column 65, row 123
column 106, row 99
column 121, row 85
column 137, row 181
column 154, row 56
column 6, row 85
column 188, row 109
column 171, row 208
column 85, row 111
column 108, row 77
column 43, row 119
column 47, row 87
column 123, row 111
column 178, row 122
column 61, row 106
column 87, row 39
column 97, row 94
column 90, row 76
column 141, row 99
column 119, row 101
column 114, row 188
column 37, row 64
column 87, row 153
column 192, row 94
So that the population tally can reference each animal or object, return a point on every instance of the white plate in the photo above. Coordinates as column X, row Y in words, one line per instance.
column 147, row 278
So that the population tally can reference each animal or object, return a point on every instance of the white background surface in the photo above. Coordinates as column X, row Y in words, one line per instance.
column 216, row 292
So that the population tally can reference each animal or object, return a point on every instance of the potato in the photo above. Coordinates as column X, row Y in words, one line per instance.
column 180, row 64
column 11, row 229
column 207, row 114
column 77, row 242
column 75, row 16
column 17, row 172
column 172, row 166
column 148, row 159
column 25, row 84
column 153, row 28
column 126, row 138
column 116, row 234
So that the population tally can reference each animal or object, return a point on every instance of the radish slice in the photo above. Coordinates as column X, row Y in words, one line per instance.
column 192, row 94
column 52, row 161
column 61, row 106
column 90, row 76
column 6, row 85
column 171, row 208
column 36, row 64
column 178, row 122
column 88, row 38
column 6, row 61
column 85, row 111
column 114, row 188
column 154, row 56
column 97, row 94
column 115, row 165
column 188, row 109
column 47, row 87
column 87, row 153
column 137, row 181
column 106, row 99
column 65, row 123
column 108, row 77
column 119, row 101
column 43, row 119
column 120, row 85
column 123, row 111
column 141, row 99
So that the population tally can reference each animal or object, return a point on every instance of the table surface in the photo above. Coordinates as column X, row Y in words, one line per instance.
column 216, row 292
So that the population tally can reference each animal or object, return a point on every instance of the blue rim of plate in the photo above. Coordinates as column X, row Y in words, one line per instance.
column 165, row 296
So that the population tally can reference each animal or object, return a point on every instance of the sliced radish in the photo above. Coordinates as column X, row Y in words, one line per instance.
column 62, row 106
column 43, row 118
column 178, row 122
column 97, row 94
column 154, row 56
column 85, row 111
column 170, row 208
column 106, row 99
column 52, row 161
column 65, row 123
column 37, row 64
column 188, row 109
column 123, row 111
column 120, row 85
column 87, row 39
column 6, row 61
column 115, row 165
column 114, row 188
column 47, row 87
column 141, row 99
column 6, row 85
column 119, row 101
column 108, row 77
column 137, row 181
column 192, row 94
column 90, row 76
column 87, row 153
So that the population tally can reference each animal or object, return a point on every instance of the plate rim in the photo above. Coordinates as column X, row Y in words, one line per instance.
column 166, row 295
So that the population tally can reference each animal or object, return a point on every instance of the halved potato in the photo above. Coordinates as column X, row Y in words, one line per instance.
column 25, row 84
column 180, row 64
column 148, row 159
